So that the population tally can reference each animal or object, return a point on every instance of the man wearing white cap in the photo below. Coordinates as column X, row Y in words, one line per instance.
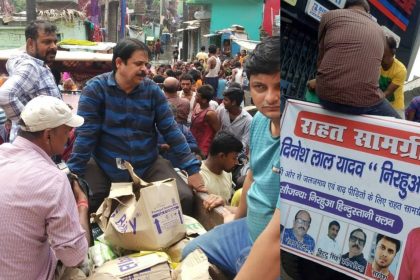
column 40, row 210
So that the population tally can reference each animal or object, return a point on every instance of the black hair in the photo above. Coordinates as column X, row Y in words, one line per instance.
column 206, row 92
column 33, row 28
column 234, row 93
column 170, row 73
column 197, row 63
column 395, row 241
column 178, row 73
column 235, row 85
column 225, row 142
column 265, row 59
column 356, row 230
column 195, row 74
column 237, row 64
column 187, row 77
column 125, row 49
column 334, row 223
column 301, row 211
column 203, row 48
column 158, row 79
column 213, row 49
column 392, row 44
column 352, row 3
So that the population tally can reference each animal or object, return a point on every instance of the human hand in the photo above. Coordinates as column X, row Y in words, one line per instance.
column 228, row 215
column 79, row 195
column 212, row 201
column 311, row 84
column 164, row 147
column 196, row 182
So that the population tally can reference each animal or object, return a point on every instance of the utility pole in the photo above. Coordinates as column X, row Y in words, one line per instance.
column 106, row 16
column 30, row 10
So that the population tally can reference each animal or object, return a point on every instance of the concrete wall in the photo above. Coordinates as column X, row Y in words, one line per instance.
column 248, row 13
column 14, row 36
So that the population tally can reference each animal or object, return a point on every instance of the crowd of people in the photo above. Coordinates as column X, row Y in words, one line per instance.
column 156, row 119
column 357, row 73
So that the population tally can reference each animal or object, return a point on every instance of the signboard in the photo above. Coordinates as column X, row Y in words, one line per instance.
column 315, row 10
column 338, row 3
column 350, row 191
column 393, row 10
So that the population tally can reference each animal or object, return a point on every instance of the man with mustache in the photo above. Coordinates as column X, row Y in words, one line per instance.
column 386, row 250
column 29, row 72
column 354, row 258
column 123, row 111
column 297, row 237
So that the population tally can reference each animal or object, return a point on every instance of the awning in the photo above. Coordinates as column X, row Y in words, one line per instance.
column 192, row 22
column 246, row 44
column 64, row 55
column 101, row 46
column 210, row 35
column 192, row 27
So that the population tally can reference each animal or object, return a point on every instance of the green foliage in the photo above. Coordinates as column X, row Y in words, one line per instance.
column 156, row 4
column 20, row 5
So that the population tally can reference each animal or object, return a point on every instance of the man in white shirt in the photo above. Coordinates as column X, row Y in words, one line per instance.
column 213, row 68
column 328, row 247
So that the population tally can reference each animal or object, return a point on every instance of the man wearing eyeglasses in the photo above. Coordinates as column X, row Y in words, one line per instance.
column 354, row 258
column 297, row 237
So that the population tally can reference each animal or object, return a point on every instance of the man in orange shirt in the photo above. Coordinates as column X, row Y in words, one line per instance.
column 386, row 249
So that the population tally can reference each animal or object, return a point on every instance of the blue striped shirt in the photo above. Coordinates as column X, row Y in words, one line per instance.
column 124, row 125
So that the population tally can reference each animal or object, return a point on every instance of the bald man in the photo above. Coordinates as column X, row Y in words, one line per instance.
column 170, row 88
column 297, row 237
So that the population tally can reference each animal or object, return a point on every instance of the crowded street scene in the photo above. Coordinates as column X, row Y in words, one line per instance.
column 161, row 139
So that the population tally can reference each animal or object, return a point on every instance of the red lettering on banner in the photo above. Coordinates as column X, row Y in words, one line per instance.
column 359, row 136
column 406, row 5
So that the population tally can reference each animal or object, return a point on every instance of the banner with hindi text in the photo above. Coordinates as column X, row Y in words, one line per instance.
column 350, row 191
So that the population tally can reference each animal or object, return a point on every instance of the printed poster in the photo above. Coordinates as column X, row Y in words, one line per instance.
column 350, row 191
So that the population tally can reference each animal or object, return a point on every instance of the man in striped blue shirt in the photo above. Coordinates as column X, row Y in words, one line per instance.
column 123, row 111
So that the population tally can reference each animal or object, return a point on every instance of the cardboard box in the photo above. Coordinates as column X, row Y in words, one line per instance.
column 134, row 267
column 144, row 218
